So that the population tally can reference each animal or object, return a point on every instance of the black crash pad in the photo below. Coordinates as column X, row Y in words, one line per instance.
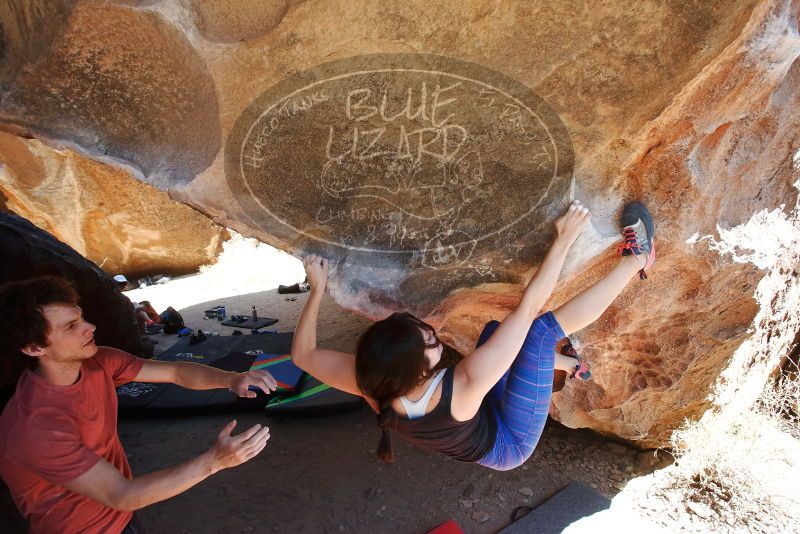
column 215, row 347
column 139, row 398
column 223, row 352
column 250, row 324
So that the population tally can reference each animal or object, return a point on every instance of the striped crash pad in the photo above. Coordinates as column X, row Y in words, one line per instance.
column 286, row 373
column 313, row 398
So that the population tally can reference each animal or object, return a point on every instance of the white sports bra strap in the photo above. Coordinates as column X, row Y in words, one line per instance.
column 416, row 409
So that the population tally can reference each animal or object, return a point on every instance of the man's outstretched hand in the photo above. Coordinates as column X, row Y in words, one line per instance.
column 260, row 379
column 230, row 451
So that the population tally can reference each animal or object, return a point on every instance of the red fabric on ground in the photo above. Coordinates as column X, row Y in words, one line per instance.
column 449, row 527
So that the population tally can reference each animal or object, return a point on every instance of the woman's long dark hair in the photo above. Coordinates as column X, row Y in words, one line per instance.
column 390, row 362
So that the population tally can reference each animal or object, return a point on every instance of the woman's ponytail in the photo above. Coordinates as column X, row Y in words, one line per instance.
column 385, row 449
column 390, row 362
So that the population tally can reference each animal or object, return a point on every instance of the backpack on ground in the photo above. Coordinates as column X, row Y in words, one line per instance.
column 172, row 321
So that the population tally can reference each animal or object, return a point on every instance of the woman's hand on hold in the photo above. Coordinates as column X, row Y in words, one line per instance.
column 317, row 271
column 570, row 225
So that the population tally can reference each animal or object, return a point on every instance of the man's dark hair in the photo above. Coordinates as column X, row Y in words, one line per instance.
column 21, row 318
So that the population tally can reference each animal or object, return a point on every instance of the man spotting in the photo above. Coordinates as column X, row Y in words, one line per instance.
column 59, row 451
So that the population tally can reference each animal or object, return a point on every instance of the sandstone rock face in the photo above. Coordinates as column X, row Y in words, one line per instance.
column 103, row 84
column 428, row 150
column 103, row 212
column 237, row 21
column 37, row 253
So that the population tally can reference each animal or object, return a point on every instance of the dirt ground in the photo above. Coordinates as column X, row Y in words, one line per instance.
column 320, row 474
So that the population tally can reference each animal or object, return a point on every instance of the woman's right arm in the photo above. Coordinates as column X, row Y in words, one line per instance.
column 305, row 336
column 337, row 369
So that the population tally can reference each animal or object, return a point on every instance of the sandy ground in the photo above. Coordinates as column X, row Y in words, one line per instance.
column 321, row 474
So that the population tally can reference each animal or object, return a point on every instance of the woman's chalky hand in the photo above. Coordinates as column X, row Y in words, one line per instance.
column 317, row 271
column 570, row 225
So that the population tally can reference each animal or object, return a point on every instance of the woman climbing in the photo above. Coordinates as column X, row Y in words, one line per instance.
column 490, row 407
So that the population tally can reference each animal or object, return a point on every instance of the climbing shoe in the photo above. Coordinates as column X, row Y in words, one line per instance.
column 638, row 235
column 581, row 371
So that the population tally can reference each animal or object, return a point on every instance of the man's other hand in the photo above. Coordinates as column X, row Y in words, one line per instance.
column 230, row 451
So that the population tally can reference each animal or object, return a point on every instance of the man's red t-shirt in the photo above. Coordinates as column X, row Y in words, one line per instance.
column 50, row 435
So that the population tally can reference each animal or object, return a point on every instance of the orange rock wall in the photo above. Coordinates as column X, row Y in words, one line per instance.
column 103, row 212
